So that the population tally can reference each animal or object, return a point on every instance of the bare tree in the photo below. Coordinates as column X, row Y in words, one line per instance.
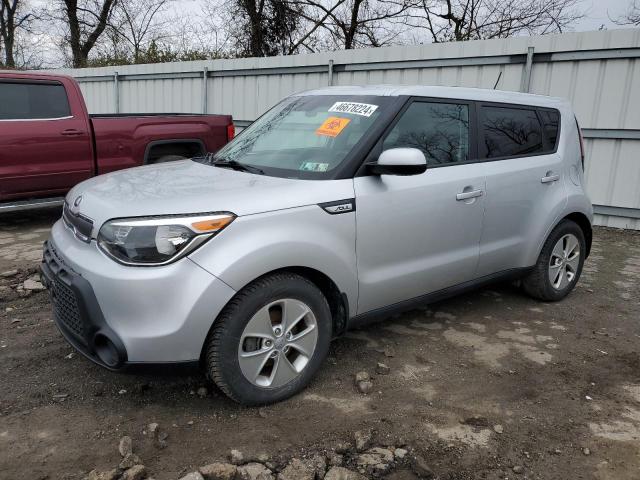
column 85, row 21
column 13, row 17
column 631, row 17
column 359, row 23
column 112, row 32
column 206, row 32
column 151, row 32
column 316, row 17
column 456, row 20
column 269, row 27
column 138, row 23
column 263, row 28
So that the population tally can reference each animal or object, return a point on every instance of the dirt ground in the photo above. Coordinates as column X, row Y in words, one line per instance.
column 561, row 382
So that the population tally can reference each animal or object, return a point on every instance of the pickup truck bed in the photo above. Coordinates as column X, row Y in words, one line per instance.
column 122, row 141
column 49, row 142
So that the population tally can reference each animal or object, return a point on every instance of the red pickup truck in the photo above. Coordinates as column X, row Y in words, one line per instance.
column 49, row 142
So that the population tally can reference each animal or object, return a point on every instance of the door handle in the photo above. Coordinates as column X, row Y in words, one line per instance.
column 550, row 178
column 71, row 132
column 468, row 195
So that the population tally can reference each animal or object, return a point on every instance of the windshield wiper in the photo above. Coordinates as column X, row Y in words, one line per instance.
column 235, row 165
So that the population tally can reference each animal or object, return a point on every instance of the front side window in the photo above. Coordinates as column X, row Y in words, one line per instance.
column 305, row 136
column 439, row 130
column 32, row 101
column 510, row 132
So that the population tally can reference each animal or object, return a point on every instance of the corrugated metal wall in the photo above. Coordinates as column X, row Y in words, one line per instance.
column 598, row 71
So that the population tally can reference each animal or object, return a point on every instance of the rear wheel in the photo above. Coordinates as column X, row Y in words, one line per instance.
column 270, row 340
column 559, row 265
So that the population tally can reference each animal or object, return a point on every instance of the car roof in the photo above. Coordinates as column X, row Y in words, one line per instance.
column 23, row 74
column 458, row 93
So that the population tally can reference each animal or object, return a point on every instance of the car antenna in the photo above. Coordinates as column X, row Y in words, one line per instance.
column 498, row 80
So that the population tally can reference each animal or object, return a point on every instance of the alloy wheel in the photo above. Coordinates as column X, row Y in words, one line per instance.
column 564, row 261
column 278, row 343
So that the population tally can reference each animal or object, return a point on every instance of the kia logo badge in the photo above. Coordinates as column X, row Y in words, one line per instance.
column 78, row 200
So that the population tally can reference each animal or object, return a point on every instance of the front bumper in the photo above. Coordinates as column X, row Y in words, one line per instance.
column 119, row 315
column 77, row 313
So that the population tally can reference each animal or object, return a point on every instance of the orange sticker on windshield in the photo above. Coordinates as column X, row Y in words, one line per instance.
column 332, row 126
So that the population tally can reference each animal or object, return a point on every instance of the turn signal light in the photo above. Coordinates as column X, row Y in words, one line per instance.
column 213, row 224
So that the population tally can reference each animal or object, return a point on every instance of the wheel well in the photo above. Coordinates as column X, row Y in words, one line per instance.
column 584, row 224
column 186, row 148
column 338, row 302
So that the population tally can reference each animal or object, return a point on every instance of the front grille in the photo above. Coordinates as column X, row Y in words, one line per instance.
column 80, row 225
column 65, row 307
column 65, row 303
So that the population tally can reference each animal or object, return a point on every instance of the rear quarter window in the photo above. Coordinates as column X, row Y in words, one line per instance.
column 551, row 126
column 32, row 101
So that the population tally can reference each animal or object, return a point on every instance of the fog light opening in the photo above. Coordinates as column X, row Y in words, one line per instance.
column 106, row 350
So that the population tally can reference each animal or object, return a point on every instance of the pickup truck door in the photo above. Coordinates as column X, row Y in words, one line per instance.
column 45, row 139
column 419, row 234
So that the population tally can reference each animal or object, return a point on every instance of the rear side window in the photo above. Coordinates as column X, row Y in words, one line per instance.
column 510, row 132
column 440, row 130
column 32, row 101
column 551, row 125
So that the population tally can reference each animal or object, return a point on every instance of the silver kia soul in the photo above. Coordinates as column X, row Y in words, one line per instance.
column 337, row 206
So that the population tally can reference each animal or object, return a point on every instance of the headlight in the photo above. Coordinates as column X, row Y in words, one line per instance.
column 158, row 240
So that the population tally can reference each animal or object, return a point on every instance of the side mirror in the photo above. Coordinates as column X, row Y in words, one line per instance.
column 399, row 161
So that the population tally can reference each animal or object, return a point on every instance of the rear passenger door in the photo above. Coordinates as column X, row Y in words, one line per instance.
column 419, row 234
column 525, row 187
column 45, row 143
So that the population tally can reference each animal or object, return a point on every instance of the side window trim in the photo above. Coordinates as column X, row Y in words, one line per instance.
column 52, row 119
column 38, row 82
column 480, row 129
column 473, row 132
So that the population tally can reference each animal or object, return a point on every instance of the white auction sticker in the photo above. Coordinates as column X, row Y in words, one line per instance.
column 364, row 109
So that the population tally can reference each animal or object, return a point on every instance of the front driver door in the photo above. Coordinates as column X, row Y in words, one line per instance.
column 419, row 234
column 45, row 141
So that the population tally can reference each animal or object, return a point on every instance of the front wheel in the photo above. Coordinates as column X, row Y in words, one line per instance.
column 270, row 339
column 559, row 265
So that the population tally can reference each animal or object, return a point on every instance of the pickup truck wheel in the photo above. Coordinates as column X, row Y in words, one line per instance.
column 270, row 339
column 168, row 158
column 559, row 265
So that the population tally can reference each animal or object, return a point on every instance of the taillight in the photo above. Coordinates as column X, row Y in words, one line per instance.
column 581, row 143
column 231, row 131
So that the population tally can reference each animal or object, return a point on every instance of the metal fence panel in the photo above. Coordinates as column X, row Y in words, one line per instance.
column 598, row 71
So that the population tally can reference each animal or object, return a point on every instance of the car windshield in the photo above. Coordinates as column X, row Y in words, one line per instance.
column 303, row 136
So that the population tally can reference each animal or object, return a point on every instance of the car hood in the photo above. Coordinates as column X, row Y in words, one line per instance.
column 186, row 187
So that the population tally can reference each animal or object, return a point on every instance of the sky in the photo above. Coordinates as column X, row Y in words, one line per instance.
column 597, row 14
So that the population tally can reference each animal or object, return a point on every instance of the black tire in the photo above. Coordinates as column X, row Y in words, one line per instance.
column 223, row 343
column 168, row 158
column 538, row 284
